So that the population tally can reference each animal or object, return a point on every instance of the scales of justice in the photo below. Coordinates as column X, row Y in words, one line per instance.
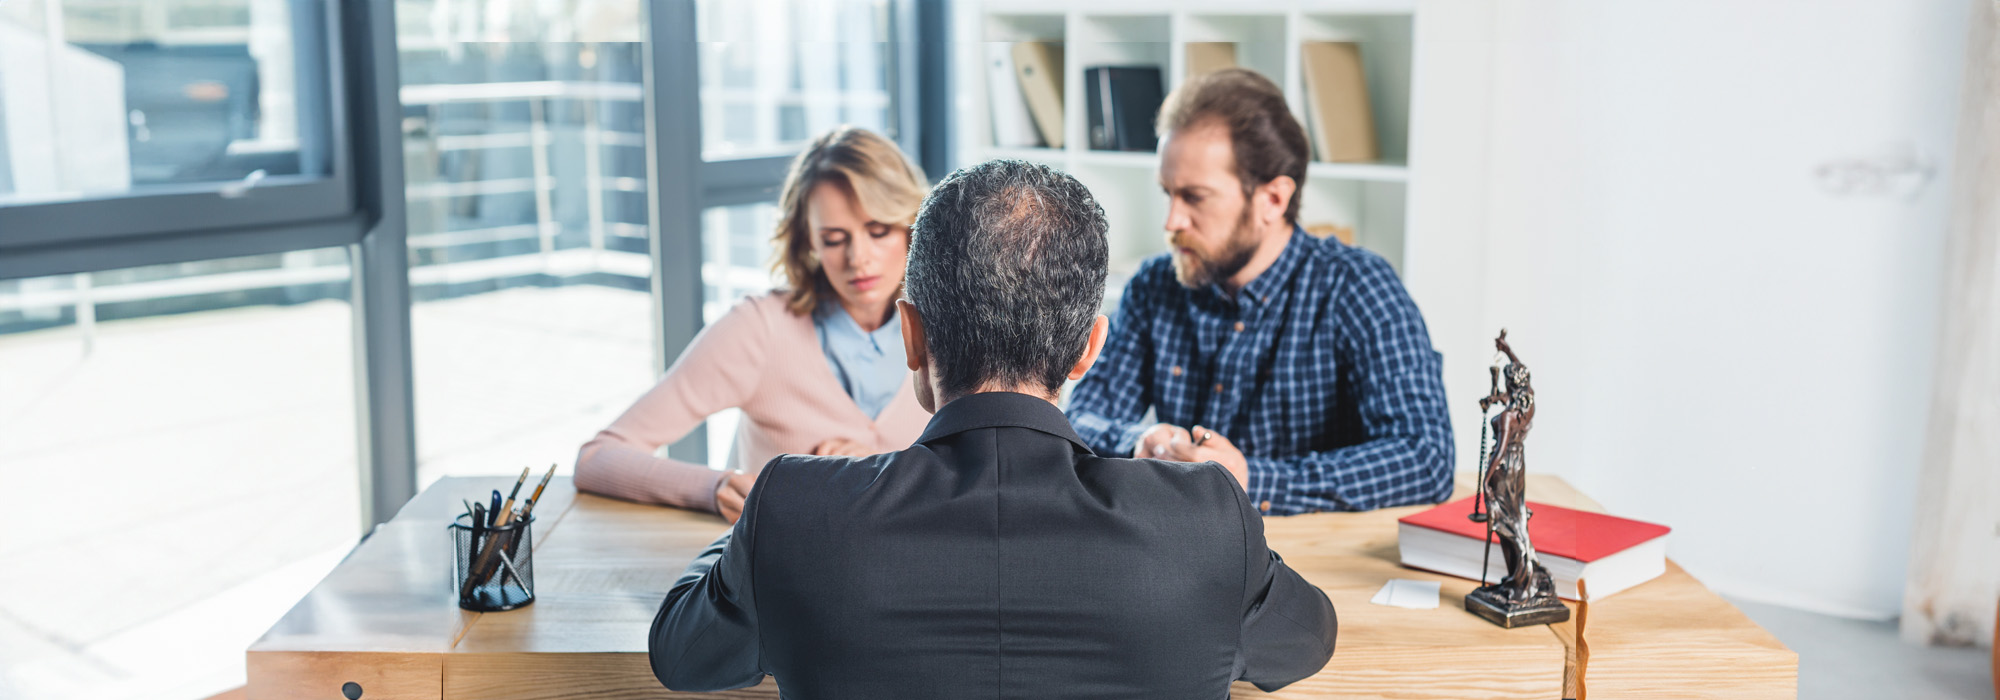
column 1527, row 595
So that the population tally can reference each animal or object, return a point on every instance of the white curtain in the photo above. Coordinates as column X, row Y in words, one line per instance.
column 1955, row 562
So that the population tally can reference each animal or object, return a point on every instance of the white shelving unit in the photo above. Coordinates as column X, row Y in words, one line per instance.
column 1423, row 207
column 1372, row 198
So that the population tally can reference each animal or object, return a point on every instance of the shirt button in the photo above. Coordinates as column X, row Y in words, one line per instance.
column 1218, row 388
column 1265, row 506
column 1176, row 370
column 1239, row 326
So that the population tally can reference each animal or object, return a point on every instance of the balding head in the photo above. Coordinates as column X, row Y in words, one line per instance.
column 1006, row 268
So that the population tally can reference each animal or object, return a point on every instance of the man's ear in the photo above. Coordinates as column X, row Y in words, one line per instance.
column 1099, row 330
column 1274, row 197
column 914, row 355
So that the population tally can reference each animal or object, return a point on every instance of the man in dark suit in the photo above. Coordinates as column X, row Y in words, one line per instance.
column 998, row 556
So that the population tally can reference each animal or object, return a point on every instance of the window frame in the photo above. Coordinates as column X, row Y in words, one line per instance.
column 157, row 224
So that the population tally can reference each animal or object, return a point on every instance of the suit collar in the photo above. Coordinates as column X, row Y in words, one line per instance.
column 996, row 409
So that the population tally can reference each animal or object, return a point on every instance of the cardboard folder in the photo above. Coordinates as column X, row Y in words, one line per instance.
column 1337, row 110
column 1040, row 66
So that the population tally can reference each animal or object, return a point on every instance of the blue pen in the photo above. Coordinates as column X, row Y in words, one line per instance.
column 493, row 511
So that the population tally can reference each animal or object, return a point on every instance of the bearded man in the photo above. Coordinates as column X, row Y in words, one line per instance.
column 1299, row 364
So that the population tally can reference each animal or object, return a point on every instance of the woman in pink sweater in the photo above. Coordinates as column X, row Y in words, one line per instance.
column 816, row 367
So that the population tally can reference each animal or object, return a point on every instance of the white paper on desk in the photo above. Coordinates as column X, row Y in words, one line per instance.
column 1405, row 593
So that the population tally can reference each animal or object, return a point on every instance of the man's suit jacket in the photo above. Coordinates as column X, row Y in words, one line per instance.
column 997, row 557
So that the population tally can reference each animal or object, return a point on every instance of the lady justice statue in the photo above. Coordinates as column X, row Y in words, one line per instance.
column 1527, row 596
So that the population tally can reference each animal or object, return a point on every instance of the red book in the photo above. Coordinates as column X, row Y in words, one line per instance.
column 1613, row 553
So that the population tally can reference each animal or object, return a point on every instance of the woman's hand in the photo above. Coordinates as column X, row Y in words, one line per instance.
column 730, row 495
column 842, row 447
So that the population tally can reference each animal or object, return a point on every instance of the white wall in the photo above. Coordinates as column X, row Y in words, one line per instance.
column 1719, row 342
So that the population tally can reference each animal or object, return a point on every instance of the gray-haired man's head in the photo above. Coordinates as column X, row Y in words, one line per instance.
column 1006, row 273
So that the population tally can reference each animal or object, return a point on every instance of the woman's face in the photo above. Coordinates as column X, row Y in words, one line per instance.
column 863, row 259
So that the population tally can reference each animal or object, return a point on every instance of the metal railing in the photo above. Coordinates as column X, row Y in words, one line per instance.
column 542, row 182
column 47, row 297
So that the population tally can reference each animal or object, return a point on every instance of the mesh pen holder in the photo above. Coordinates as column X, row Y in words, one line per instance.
column 492, row 568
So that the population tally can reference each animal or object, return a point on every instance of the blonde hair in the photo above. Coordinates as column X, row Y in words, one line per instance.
column 887, row 184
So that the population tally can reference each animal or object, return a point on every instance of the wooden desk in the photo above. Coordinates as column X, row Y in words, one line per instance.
column 385, row 619
column 1669, row 637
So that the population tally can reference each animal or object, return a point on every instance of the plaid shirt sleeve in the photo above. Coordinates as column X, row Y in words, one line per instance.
column 1407, row 454
column 1108, row 406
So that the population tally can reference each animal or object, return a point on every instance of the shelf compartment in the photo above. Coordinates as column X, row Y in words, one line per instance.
column 1259, row 39
column 1103, row 40
column 1386, row 43
column 1374, row 210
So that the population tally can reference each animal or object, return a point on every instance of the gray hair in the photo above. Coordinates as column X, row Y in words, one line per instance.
column 1007, row 264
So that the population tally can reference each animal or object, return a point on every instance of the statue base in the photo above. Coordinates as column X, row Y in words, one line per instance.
column 1490, row 603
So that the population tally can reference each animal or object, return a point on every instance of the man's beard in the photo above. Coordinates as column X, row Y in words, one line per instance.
column 1208, row 267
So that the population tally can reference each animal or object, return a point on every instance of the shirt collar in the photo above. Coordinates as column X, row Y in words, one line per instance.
column 1261, row 289
column 832, row 316
column 996, row 409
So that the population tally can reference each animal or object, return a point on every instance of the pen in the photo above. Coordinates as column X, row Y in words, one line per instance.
column 472, row 578
column 493, row 511
column 538, row 492
column 478, row 528
column 507, row 509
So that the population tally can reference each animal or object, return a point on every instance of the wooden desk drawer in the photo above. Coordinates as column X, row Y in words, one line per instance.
column 284, row 675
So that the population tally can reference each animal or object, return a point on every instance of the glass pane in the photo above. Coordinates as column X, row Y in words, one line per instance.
column 775, row 73
column 736, row 255
column 180, row 441
column 524, row 145
column 108, row 96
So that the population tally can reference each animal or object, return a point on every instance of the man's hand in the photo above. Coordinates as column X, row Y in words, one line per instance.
column 1209, row 446
column 730, row 495
column 1154, row 443
column 843, row 447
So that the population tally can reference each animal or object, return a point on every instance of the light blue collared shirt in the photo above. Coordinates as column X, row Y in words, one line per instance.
column 869, row 365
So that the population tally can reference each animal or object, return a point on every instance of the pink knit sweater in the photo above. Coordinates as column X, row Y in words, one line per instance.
column 760, row 358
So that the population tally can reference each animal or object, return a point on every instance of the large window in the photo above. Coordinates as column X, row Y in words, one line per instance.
column 178, row 345
column 524, row 145
column 177, row 447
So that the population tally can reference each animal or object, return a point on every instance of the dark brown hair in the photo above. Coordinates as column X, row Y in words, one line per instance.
column 1266, row 138
column 888, row 186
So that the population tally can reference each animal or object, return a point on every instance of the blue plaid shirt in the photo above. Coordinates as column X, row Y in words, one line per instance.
column 1320, row 371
